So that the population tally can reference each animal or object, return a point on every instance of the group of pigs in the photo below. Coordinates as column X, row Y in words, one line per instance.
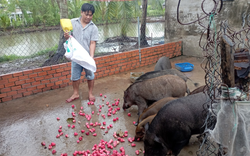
column 166, row 117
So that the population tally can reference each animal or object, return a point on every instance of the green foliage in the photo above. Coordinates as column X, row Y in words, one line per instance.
column 5, row 58
column 155, row 12
column 4, row 21
column 74, row 8
column 12, row 57
column 46, row 12
column 125, row 15
column 16, row 23
column 46, row 51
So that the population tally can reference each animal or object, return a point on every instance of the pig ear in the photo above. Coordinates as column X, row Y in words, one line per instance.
column 162, row 142
column 146, row 126
column 156, row 139
column 143, row 130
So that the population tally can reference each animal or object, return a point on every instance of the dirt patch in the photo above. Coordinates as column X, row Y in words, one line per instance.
column 30, row 63
column 22, row 64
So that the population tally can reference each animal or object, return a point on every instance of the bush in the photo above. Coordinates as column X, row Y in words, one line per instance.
column 4, row 21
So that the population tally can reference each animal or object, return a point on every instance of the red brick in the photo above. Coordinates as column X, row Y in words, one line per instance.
column 35, row 83
column 46, row 89
column 57, row 75
column 63, row 65
column 62, row 77
column 66, row 81
column 40, row 86
column 16, row 88
column 51, row 72
column 20, row 82
column 13, row 79
column 45, row 81
column 54, row 80
column 55, row 66
column 46, row 68
column 37, row 70
column 26, row 85
column 1, row 86
column 3, row 95
column 48, row 77
column 6, row 76
column 17, row 74
column 5, row 99
column 27, row 93
column 31, row 88
column 68, row 64
column 12, row 93
column 37, row 91
column 55, row 87
column 63, row 85
column 33, row 75
column 39, row 78
column 5, row 90
column 26, row 72
column 50, row 84
column 3, row 81
column 30, row 80
column 66, row 73
column 23, row 77
column 17, row 96
column 59, row 70
column 9, row 84
column 22, row 91
column 67, row 69
column 42, row 74
column 58, row 82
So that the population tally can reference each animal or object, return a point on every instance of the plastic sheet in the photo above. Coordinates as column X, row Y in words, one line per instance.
column 232, row 129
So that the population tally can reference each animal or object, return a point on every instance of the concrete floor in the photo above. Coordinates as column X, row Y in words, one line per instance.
column 26, row 122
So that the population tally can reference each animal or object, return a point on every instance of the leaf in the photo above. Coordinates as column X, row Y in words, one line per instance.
column 70, row 120
column 120, row 133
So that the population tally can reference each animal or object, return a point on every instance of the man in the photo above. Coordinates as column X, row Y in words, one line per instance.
column 86, row 33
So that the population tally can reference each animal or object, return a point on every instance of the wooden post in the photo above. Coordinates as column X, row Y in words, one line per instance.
column 227, row 61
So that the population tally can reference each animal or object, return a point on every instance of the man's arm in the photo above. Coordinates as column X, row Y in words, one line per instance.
column 92, row 48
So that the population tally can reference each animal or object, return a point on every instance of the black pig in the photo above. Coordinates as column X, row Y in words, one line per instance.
column 153, row 74
column 163, row 63
column 144, row 93
column 174, row 124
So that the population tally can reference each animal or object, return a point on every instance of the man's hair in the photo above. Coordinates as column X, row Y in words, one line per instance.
column 88, row 7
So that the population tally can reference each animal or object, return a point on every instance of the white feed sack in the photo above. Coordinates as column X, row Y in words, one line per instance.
column 232, row 129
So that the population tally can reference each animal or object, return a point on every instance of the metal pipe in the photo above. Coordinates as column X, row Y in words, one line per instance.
column 138, row 22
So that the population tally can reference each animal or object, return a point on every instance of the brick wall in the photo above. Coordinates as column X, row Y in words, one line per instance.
column 28, row 82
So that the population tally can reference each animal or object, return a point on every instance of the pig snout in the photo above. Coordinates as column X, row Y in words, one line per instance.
column 139, row 137
column 126, row 106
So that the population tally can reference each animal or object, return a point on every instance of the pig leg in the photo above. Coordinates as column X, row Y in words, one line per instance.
column 187, row 91
column 142, row 105
column 180, row 138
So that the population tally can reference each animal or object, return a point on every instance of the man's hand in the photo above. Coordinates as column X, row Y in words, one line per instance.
column 66, row 35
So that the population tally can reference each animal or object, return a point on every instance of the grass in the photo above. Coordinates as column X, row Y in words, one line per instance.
column 11, row 57
column 6, row 58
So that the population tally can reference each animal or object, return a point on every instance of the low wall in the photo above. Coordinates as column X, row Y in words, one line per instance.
column 29, row 82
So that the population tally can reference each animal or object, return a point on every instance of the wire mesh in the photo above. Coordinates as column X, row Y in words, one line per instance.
column 210, row 43
column 110, row 38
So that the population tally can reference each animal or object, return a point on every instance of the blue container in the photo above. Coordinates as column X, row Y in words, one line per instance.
column 184, row 67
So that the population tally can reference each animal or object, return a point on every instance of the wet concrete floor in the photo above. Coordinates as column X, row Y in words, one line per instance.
column 26, row 122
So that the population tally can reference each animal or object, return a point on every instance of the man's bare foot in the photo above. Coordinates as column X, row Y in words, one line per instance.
column 72, row 98
column 91, row 98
